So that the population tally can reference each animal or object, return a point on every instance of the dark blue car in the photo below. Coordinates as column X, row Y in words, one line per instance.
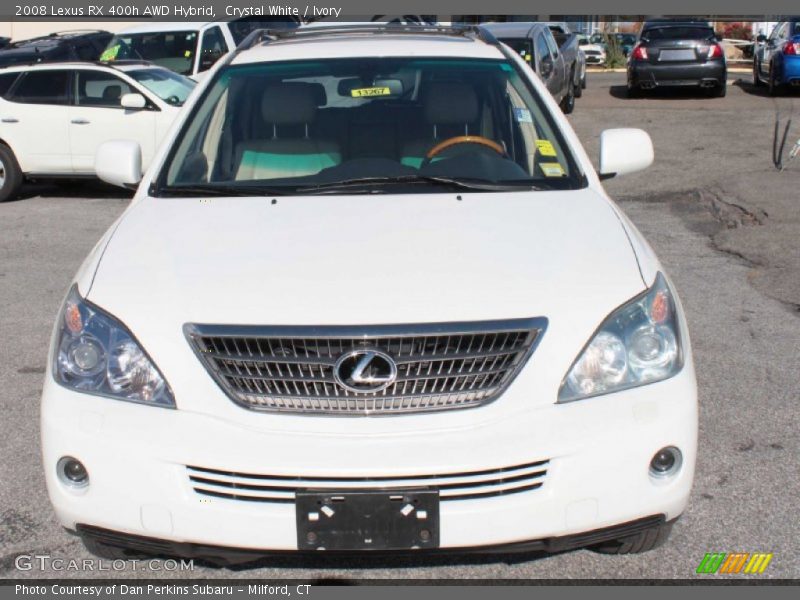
column 776, row 61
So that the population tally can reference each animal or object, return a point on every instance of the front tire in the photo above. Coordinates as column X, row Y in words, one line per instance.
column 773, row 87
column 568, row 102
column 756, row 79
column 644, row 541
column 10, row 174
column 579, row 86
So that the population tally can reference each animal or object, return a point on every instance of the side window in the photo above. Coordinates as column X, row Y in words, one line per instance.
column 6, row 81
column 212, row 48
column 97, row 88
column 552, row 44
column 777, row 32
column 43, row 87
column 543, row 56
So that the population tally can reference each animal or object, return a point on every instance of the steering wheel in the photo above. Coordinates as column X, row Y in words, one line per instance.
column 463, row 139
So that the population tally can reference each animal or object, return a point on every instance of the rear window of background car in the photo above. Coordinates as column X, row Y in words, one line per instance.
column 678, row 33
column 43, row 87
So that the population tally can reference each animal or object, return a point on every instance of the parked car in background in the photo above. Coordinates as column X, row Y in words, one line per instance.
column 189, row 48
column 776, row 60
column 595, row 54
column 355, row 392
column 55, row 47
column 677, row 54
column 535, row 43
column 568, row 45
column 54, row 117
column 625, row 42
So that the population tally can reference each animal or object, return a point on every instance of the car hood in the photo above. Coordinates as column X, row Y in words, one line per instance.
column 366, row 259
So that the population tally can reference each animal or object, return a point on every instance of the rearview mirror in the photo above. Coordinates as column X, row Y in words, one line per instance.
column 132, row 101
column 624, row 151
column 119, row 162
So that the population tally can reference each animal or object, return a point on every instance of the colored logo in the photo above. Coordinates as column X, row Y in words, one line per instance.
column 734, row 563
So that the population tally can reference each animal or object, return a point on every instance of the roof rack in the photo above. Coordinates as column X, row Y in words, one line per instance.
column 260, row 36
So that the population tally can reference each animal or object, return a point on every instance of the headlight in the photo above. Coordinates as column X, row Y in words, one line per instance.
column 638, row 343
column 96, row 354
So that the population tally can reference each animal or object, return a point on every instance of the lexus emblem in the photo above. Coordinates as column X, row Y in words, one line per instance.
column 365, row 371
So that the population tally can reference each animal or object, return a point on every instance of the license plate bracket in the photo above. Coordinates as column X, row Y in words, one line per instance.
column 367, row 520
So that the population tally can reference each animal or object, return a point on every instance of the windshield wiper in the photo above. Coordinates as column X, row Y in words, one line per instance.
column 220, row 190
column 373, row 184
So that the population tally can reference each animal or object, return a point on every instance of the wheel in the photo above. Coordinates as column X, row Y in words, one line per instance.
column 641, row 542
column 579, row 87
column 773, row 87
column 756, row 79
column 106, row 551
column 583, row 81
column 634, row 91
column 10, row 174
column 568, row 102
column 721, row 90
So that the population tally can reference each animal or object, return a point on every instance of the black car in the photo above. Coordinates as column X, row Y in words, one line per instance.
column 57, row 47
column 677, row 54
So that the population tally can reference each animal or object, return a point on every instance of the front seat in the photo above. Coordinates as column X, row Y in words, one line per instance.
column 449, row 108
column 290, row 151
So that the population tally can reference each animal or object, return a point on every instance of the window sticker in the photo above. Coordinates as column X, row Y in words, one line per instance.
column 523, row 115
column 552, row 169
column 545, row 148
column 370, row 91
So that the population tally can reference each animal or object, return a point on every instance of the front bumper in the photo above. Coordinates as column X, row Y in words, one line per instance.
column 651, row 75
column 597, row 475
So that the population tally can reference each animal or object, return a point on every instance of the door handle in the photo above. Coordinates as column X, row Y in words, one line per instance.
column 9, row 120
column 80, row 121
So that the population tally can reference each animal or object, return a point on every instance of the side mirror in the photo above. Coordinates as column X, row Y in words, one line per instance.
column 119, row 162
column 546, row 67
column 624, row 151
column 761, row 38
column 132, row 101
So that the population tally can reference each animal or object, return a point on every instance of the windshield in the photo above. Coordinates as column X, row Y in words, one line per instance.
column 169, row 86
column 173, row 50
column 399, row 123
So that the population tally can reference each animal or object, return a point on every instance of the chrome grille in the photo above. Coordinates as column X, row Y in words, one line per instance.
column 438, row 367
column 250, row 487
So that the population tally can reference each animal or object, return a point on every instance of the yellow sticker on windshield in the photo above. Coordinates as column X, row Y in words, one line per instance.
column 552, row 169
column 370, row 91
column 545, row 148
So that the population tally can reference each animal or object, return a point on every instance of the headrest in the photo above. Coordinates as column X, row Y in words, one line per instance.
column 289, row 103
column 448, row 102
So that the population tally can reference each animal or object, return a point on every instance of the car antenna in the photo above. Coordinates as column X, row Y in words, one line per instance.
column 778, row 146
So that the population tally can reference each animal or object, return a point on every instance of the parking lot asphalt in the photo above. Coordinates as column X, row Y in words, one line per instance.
column 724, row 222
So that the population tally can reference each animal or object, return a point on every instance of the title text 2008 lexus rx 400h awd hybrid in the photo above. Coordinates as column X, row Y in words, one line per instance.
column 370, row 296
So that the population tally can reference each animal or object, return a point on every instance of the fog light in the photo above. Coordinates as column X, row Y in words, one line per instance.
column 72, row 472
column 666, row 462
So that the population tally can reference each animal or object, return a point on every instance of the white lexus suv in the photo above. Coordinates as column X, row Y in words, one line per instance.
column 371, row 296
